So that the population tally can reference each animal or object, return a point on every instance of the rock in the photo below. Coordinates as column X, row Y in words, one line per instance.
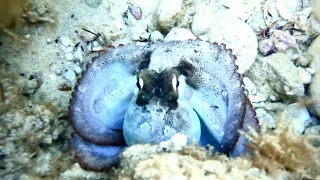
column 249, row 85
column 283, row 11
column 298, row 116
column 156, row 36
column 313, row 130
column 304, row 75
column 313, row 90
column 305, row 59
column 265, row 46
column 167, row 13
column 283, row 75
column 316, row 8
column 201, row 22
column 265, row 118
column 276, row 75
column 303, row 18
column 258, row 74
column 275, row 106
column 238, row 36
column 179, row 34
column 293, row 53
column 256, row 98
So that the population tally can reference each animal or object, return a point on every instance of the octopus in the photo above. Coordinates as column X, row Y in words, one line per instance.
column 138, row 94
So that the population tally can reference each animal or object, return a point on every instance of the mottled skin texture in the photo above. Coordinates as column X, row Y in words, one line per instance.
column 131, row 95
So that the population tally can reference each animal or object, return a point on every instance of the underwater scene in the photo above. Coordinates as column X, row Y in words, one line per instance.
column 159, row 89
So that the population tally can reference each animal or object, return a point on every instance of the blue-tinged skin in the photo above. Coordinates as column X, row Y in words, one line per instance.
column 92, row 156
column 131, row 95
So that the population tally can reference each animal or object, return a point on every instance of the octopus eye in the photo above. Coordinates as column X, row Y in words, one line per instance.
column 139, row 83
column 175, row 83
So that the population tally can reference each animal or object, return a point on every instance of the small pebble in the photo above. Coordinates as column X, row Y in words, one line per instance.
column 165, row 145
column 62, row 47
column 254, row 98
column 298, row 116
column 275, row 106
column 260, row 112
column 201, row 22
column 156, row 36
column 68, row 49
column 53, row 77
column 49, row 41
column 305, row 59
column 69, row 56
column 272, row 97
column 77, row 69
column 179, row 34
column 310, row 70
column 265, row 118
column 69, row 75
column 179, row 140
column 249, row 85
column 65, row 41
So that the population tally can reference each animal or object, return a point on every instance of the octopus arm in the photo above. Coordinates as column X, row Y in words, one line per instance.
column 250, row 120
column 94, row 157
column 103, row 94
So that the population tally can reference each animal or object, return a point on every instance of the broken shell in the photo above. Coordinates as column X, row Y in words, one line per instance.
column 272, row 10
column 283, row 11
column 87, row 36
column 135, row 11
column 78, row 53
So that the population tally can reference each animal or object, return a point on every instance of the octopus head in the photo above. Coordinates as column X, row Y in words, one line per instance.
column 160, row 108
